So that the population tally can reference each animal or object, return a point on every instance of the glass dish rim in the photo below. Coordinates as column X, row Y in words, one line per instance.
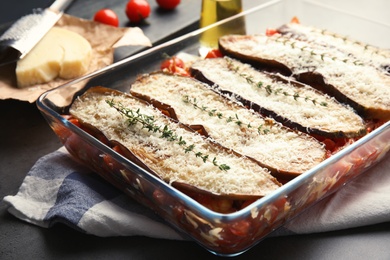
column 194, row 205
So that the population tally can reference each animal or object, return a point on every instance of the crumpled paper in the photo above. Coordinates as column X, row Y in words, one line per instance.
column 103, row 39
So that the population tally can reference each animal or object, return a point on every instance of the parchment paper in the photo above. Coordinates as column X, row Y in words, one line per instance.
column 103, row 39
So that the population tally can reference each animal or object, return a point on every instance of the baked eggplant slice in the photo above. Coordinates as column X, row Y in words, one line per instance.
column 367, row 53
column 331, row 70
column 169, row 150
column 285, row 152
column 295, row 105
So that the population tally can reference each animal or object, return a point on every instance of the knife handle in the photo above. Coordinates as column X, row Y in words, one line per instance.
column 60, row 5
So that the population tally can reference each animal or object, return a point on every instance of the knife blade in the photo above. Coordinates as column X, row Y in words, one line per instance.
column 26, row 32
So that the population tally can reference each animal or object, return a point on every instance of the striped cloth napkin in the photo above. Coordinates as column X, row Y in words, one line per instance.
column 59, row 190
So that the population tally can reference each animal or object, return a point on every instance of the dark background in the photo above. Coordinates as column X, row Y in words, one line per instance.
column 12, row 10
column 25, row 137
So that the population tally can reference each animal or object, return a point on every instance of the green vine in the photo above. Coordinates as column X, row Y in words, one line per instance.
column 149, row 123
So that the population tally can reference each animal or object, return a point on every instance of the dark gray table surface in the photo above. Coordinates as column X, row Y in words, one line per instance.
column 25, row 137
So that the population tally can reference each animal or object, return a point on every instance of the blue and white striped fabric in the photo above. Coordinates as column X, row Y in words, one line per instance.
column 59, row 190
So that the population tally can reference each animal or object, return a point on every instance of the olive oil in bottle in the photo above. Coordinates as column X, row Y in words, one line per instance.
column 214, row 11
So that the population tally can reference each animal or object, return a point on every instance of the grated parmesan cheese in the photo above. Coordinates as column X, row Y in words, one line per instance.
column 358, row 78
column 331, row 118
column 168, row 159
column 274, row 146
column 368, row 53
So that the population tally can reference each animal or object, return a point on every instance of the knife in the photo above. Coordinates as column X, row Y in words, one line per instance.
column 26, row 32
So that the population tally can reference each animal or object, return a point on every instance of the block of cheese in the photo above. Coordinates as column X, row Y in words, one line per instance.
column 61, row 53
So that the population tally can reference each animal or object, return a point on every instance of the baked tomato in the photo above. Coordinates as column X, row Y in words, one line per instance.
column 106, row 16
column 168, row 4
column 295, row 20
column 171, row 63
column 215, row 53
column 174, row 65
column 137, row 10
column 270, row 31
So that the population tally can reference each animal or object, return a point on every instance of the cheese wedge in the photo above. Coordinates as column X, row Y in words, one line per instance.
column 61, row 53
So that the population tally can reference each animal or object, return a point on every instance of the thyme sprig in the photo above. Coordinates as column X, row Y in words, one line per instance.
column 219, row 115
column 364, row 46
column 270, row 89
column 288, row 41
column 149, row 123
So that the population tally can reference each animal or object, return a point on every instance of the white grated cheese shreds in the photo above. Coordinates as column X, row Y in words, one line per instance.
column 168, row 159
column 334, row 117
column 358, row 78
column 359, row 50
column 274, row 146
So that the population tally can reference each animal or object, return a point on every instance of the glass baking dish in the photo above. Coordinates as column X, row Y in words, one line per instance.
column 234, row 233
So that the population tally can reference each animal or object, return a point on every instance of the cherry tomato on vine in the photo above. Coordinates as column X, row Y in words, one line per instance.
column 137, row 10
column 168, row 4
column 106, row 16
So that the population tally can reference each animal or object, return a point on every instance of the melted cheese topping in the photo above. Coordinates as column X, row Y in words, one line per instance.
column 333, row 117
column 362, row 51
column 264, row 140
column 167, row 158
column 357, row 80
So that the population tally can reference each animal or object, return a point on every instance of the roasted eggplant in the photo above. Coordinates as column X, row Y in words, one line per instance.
column 285, row 152
column 295, row 105
column 363, row 84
